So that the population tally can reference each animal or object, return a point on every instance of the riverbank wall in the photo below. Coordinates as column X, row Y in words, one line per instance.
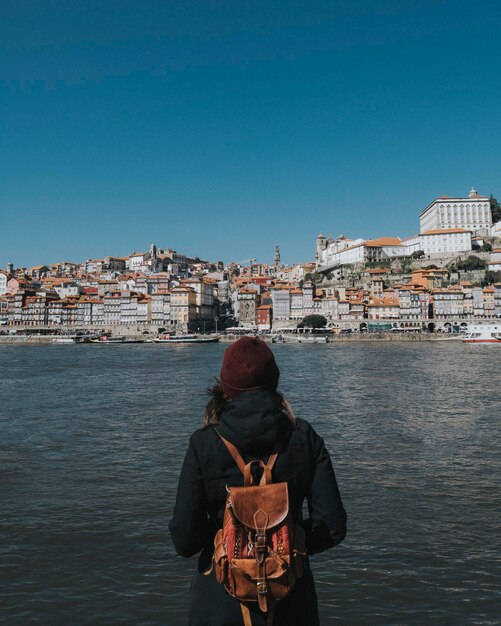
column 342, row 338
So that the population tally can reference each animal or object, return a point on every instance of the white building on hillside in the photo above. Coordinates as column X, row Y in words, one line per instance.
column 3, row 282
column 445, row 241
column 472, row 213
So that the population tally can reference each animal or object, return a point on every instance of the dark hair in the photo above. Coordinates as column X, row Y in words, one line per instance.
column 219, row 400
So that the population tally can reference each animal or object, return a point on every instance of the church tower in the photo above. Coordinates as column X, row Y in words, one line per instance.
column 321, row 246
column 277, row 255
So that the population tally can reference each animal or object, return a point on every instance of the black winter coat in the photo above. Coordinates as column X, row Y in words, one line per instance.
column 255, row 424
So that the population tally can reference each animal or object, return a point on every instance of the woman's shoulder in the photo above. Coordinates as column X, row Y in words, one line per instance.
column 304, row 427
column 304, row 433
column 202, row 438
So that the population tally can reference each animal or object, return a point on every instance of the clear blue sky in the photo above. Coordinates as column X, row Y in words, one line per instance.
column 219, row 128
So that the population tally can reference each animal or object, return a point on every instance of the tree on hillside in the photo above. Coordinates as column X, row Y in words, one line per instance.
column 486, row 247
column 313, row 321
column 405, row 265
column 471, row 263
column 491, row 278
column 417, row 254
column 495, row 210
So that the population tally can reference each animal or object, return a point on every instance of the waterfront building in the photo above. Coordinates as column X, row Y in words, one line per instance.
column 160, row 308
column 89, row 311
column 128, row 307
column 204, row 298
column 4, row 310
column 143, row 308
column 330, row 308
column 183, row 308
column 54, row 315
column 424, row 305
column 317, row 305
column 343, row 309
column 281, row 298
column 478, row 302
column 404, row 300
column 264, row 317
column 296, row 304
column 383, row 308
column 471, row 213
column 308, row 295
column 69, row 313
column 357, row 309
column 489, row 302
column 247, row 306
column 33, row 312
column 497, row 300
column 448, row 303
column 112, row 304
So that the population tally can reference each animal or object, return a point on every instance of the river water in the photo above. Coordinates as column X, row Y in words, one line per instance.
column 92, row 439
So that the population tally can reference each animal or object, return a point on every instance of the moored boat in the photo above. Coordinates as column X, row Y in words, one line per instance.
column 70, row 339
column 172, row 338
column 106, row 338
column 312, row 339
column 489, row 332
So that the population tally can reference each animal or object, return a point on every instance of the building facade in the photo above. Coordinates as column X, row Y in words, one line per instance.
column 471, row 213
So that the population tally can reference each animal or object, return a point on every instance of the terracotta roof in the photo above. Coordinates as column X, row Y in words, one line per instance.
column 382, row 302
column 383, row 241
column 445, row 231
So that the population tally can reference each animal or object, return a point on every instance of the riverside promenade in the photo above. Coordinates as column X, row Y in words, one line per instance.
column 366, row 337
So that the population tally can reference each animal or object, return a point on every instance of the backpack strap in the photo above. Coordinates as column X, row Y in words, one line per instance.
column 247, row 616
column 232, row 449
column 245, row 467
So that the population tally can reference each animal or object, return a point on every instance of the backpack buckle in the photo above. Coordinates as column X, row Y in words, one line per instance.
column 262, row 587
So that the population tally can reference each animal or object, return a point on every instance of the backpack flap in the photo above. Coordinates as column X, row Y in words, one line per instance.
column 260, row 507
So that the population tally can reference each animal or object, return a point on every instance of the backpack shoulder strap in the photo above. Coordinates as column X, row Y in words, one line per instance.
column 267, row 468
column 237, row 457
column 232, row 449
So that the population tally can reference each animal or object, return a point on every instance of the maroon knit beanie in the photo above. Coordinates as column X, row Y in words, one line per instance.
column 248, row 364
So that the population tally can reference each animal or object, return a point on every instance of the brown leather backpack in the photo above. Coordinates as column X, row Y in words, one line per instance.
column 259, row 552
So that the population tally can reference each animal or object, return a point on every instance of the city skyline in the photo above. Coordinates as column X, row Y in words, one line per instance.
column 221, row 130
